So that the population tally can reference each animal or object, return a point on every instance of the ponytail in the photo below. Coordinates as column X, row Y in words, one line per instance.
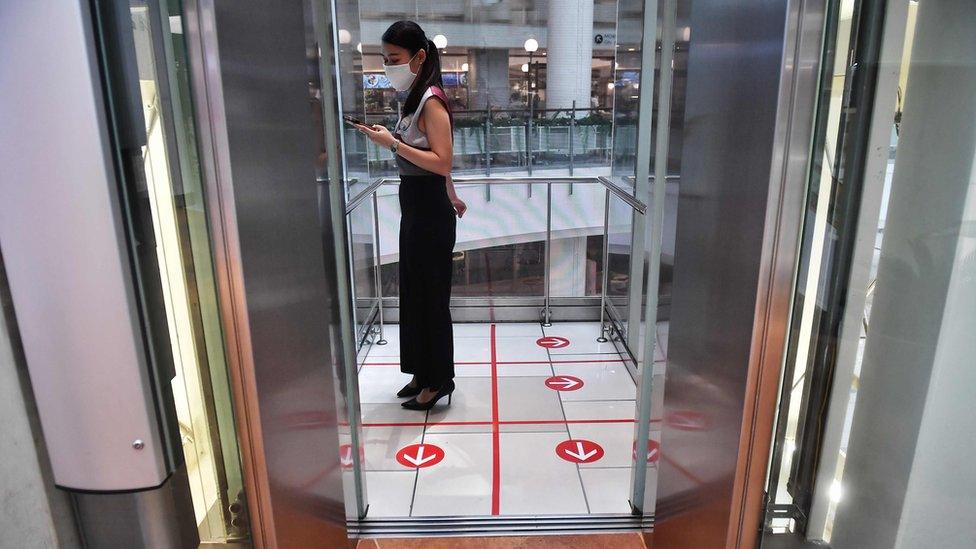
column 410, row 36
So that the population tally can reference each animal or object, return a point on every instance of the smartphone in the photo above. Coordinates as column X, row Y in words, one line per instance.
column 353, row 120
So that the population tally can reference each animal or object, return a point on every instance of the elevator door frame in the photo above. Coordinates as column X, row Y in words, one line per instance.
column 258, row 320
column 485, row 308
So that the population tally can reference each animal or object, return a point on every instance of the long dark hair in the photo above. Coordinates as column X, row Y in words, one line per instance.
column 409, row 36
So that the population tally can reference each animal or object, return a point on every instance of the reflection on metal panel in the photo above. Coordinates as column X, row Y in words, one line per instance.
column 276, row 287
column 731, row 153
column 67, row 259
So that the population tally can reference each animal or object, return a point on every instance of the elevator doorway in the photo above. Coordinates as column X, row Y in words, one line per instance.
column 573, row 215
column 552, row 399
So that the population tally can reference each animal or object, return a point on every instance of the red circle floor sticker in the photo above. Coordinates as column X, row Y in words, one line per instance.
column 579, row 450
column 564, row 383
column 552, row 342
column 417, row 456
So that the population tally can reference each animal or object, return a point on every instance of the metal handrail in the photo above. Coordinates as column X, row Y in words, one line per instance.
column 496, row 110
column 617, row 190
column 611, row 189
column 622, row 194
column 362, row 196
column 529, row 114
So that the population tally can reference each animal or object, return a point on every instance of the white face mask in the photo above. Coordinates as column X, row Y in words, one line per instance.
column 400, row 75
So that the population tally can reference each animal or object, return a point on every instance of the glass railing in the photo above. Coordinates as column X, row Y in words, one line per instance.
column 500, row 141
column 522, row 240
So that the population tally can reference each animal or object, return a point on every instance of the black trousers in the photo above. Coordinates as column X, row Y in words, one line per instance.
column 427, row 235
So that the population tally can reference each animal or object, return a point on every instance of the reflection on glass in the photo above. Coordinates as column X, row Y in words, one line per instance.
column 817, row 234
column 362, row 251
column 523, row 101
column 577, row 240
column 821, row 233
column 175, row 196
column 500, row 248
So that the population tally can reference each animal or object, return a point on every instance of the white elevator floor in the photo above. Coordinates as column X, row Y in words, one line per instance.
column 496, row 449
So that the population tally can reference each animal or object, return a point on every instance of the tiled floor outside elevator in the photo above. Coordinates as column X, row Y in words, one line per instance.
column 500, row 433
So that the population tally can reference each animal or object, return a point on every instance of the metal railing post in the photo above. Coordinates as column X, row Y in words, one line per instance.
column 546, row 312
column 606, row 269
column 378, row 264
column 572, row 135
column 488, row 142
column 528, row 138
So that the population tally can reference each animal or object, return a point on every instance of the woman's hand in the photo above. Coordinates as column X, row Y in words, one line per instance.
column 378, row 134
column 459, row 206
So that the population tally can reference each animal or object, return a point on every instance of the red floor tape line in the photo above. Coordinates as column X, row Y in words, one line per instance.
column 495, row 461
column 502, row 422
column 499, row 362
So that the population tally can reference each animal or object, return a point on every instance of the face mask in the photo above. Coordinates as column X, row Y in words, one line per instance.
column 400, row 75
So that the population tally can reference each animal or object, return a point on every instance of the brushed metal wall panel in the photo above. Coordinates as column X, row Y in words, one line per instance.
column 277, row 289
column 729, row 150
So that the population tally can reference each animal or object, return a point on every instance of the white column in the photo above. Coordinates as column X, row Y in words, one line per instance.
column 909, row 477
column 488, row 77
column 568, row 267
column 569, row 51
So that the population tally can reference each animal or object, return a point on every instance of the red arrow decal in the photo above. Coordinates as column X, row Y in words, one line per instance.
column 564, row 383
column 420, row 455
column 579, row 451
column 552, row 342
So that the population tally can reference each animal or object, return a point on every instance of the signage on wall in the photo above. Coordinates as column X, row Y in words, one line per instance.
column 605, row 39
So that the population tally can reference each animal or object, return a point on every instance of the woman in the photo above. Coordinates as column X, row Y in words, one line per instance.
column 422, row 146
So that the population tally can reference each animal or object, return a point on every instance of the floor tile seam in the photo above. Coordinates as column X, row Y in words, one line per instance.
column 569, row 433
column 495, row 435
column 416, row 477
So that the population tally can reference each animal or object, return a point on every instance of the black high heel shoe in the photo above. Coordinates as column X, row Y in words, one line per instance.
column 409, row 390
column 444, row 391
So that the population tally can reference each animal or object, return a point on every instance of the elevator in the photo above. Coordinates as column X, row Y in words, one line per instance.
column 622, row 285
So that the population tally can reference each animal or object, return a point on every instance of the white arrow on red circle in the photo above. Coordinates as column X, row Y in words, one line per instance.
column 420, row 455
column 419, row 459
column 564, row 383
column 579, row 453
